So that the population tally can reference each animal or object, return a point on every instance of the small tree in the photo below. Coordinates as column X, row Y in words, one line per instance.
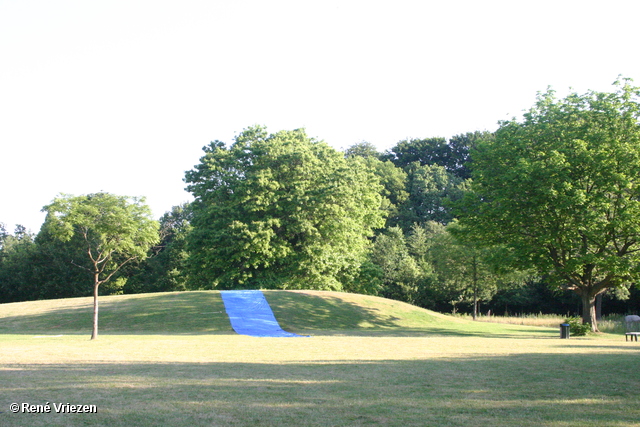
column 466, row 271
column 115, row 230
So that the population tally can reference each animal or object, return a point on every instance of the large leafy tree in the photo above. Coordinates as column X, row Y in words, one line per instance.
column 562, row 189
column 431, row 190
column 280, row 211
column 114, row 231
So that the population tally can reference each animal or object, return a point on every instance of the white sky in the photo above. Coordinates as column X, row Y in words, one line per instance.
column 121, row 96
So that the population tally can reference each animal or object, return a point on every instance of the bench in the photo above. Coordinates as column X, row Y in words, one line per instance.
column 633, row 335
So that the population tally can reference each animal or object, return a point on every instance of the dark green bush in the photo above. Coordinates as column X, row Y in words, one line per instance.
column 576, row 327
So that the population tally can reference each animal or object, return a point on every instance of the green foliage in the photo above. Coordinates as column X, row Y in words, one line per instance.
column 394, row 184
column 561, row 188
column 164, row 269
column 55, row 269
column 280, row 211
column 460, row 147
column 576, row 327
column 113, row 230
column 363, row 149
column 17, row 252
column 41, row 268
column 453, row 155
column 429, row 151
column 369, row 280
column 109, row 225
column 466, row 271
column 431, row 190
column 400, row 272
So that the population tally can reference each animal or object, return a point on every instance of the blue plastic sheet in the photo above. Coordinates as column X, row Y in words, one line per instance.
column 250, row 314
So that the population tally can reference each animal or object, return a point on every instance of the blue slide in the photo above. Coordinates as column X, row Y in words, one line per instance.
column 250, row 314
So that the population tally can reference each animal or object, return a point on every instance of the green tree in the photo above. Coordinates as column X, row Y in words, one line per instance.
column 460, row 146
column 453, row 155
column 164, row 269
column 53, row 270
column 394, row 182
column 562, row 189
column 39, row 268
column 392, row 178
column 17, row 252
column 280, row 211
column 467, row 271
column 363, row 149
column 4, row 234
column 369, row 279
column 401, row 274
column 428, row 151
column 431, row 190
column 115, row 230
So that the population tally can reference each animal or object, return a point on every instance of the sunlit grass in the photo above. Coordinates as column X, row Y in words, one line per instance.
column 369, row 361
column 610, row 324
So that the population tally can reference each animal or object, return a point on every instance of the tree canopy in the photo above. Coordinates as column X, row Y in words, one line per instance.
column 562, row 189
column 556, row 190
column 280, row 211
column 453, row 155
column 431, row 190
column 114, row 231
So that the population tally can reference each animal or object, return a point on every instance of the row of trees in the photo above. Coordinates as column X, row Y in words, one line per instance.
column 547, row 202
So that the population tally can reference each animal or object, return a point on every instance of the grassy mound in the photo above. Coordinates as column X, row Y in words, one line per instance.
column 172, row 359
column 170, row 312
column 202, row 312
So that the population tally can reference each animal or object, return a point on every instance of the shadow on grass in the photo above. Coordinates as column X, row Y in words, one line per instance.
column 330, row 315
column 526, row 389
column 633, row 347
column 307, row 311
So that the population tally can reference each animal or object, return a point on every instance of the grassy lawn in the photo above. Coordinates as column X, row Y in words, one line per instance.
column 171, row 359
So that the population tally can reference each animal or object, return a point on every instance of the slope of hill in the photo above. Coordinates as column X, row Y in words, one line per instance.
column 202, row 312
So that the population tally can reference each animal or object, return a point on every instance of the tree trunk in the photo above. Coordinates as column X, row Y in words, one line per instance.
column 475, row 305
column 599, row 306
column 475, row 288
column 589, row 310
column 94, row 334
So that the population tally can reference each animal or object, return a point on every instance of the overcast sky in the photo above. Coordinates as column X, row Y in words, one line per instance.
column 121, row 96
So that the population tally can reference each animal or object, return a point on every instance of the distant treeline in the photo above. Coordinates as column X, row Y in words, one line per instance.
column 283, row 211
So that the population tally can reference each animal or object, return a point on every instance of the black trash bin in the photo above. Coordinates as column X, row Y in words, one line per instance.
column 564, row 330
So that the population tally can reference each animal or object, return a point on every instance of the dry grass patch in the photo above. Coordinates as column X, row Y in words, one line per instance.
column 323, row 381
column 390, row 365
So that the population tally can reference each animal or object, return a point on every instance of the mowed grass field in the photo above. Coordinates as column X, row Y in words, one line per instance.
column 172, row 359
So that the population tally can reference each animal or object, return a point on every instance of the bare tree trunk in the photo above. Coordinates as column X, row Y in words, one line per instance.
column 589, row 311
column 94, row 334
column 475, row 288
column 475, row 305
